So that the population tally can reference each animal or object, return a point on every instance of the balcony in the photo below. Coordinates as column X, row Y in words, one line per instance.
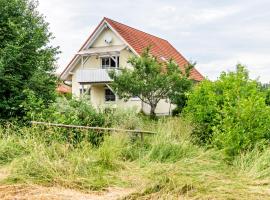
column 94, row 76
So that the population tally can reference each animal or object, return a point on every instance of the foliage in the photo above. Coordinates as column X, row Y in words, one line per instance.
column 26, row 59
column 230, row 113
column 69, row 111
column 150, row 80
column 266, row 88
column 80, row 112
column 179, row 169
column 180, row 88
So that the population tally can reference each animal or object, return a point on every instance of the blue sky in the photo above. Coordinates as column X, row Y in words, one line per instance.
column 217, row 34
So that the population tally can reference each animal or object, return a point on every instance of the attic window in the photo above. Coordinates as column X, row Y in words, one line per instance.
column 162, row 58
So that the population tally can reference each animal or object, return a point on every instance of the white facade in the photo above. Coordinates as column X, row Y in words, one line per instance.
column 88, row 71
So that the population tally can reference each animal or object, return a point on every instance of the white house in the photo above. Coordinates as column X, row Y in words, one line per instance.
column 109, row 47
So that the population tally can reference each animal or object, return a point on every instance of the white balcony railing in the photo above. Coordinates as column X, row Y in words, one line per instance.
column 93, row 76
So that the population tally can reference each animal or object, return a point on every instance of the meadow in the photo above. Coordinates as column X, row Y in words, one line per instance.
column 167, row 165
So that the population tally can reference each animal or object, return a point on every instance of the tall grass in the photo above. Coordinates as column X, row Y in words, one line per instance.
column 167, row 165
column 255, row 163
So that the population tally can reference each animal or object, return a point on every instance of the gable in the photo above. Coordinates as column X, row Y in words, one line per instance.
column 106, row 33
column 160, row 48
column 136, row 41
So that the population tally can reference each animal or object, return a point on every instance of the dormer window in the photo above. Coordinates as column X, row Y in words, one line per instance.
column 110, row 62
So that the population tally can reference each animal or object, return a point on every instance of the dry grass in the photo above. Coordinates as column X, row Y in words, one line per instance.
column 34, row 192
column 166, row 166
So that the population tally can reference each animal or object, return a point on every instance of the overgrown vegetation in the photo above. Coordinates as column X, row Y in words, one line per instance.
column 152, row 80
column 26, row 58
column 230, row 113
column 219, row 148
column 165, row 166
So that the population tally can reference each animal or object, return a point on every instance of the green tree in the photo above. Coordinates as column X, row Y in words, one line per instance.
column 26, row 58
column 230, row 113
column 150, row 80
column 266, row 89
column 180, row 88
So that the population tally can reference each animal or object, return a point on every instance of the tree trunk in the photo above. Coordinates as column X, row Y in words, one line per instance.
column 152, row 111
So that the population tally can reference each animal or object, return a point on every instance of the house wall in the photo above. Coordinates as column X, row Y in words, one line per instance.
column 97, row 91
column 99, row 42
column 163, row 108
column 97, row 95
column 124, row 57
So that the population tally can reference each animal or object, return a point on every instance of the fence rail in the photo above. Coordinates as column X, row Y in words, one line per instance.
column 136, row 131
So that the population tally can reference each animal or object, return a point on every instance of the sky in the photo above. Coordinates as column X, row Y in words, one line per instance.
column 216, row 34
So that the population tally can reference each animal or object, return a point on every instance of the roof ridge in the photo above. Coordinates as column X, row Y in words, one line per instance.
column 138, row 40
column 106, row 18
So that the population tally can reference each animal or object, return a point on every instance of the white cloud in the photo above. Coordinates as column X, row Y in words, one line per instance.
column 216, row 34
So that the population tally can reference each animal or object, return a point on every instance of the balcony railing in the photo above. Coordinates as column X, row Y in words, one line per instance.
column 94, row 75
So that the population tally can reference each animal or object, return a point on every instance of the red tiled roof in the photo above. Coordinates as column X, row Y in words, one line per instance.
column 139, row 40
column 63, row 89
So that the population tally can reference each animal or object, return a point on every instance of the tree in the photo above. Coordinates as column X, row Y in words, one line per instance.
column 180, row 87
column 266, row 88
column 26, row 59
column 149, row 80
column 230, row 113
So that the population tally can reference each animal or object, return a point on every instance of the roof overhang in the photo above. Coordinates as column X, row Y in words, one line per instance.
column 108, row 50
column 86, row 46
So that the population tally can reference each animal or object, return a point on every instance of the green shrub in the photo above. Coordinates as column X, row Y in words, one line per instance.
column 268, row 97
column 69, row 111
column 266, row 89
column 230, row 113
column 72, row 112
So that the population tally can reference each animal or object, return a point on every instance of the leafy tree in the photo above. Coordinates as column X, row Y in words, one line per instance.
column 180, row 87
column 26, row 59
column 230, row 113
column 150, row 80
column 268, row 97
column 266, row 89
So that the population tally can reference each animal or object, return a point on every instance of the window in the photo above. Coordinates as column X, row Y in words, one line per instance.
column 82, row 91
column 85, row 91
column 109, row 95
column 107, row 62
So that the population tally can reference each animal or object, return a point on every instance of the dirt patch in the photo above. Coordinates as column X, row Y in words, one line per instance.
column 21, row 192
column 3, row 174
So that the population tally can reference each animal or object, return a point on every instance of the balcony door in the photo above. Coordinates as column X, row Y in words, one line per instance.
column 110, row 62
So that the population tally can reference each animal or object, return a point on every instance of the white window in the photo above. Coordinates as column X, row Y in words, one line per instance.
column 110, row 62
column 109, row 95
column 85, row 91
column 82, row 91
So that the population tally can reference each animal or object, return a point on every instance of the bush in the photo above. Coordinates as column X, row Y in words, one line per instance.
column 230, row 113
column 266, row 89
column 268, row 97
column 73, row 111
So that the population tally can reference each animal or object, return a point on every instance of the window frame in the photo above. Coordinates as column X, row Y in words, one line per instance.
column 110, row 62
column 110, row 95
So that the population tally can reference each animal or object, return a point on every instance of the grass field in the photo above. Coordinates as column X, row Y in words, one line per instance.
column 165, row 166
